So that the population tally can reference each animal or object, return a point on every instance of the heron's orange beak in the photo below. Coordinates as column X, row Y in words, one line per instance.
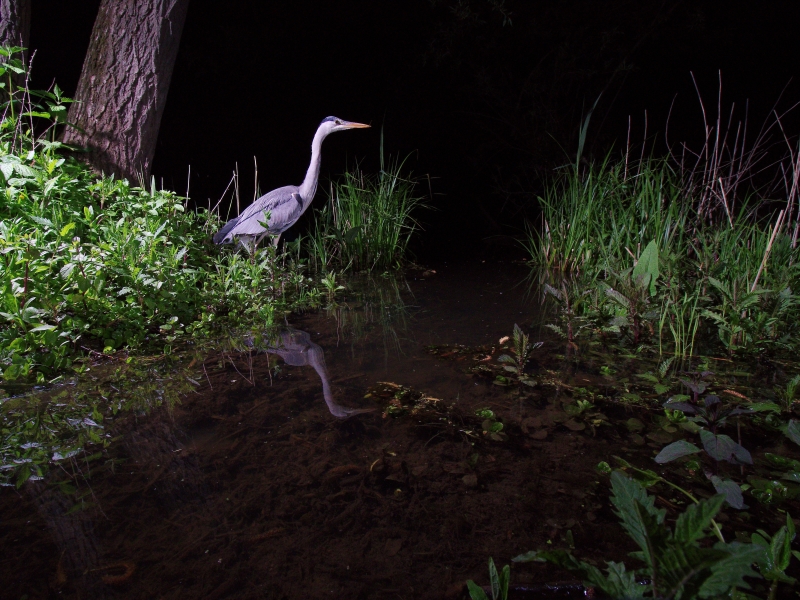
column 352, row 125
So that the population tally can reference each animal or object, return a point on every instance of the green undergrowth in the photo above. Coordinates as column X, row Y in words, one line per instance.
column 631, row 254
column 92, row 264
column 677, row 564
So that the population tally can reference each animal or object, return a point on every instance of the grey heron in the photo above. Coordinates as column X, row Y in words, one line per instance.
column 282, row 207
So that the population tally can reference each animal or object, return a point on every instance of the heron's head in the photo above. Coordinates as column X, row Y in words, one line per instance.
column 331, row 124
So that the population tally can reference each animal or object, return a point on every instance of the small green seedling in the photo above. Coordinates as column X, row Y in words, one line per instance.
column 492, row 428
column 498, row 582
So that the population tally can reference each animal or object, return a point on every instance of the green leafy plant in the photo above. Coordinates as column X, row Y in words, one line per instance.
column 788, row 395
column 572, row 300
column 696, row 269
column 330, row 285
column 521, row 348
column 776, row 555
column 492, row 427
column 676, row 564
column 731, row 315
column 711, row 413
column 498, row 584
column 632, row 292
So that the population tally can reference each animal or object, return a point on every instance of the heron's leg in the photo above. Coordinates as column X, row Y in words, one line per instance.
column 275, row 240
column 261, row 237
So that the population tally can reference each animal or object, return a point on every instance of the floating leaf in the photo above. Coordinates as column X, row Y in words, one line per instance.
column 634, row 424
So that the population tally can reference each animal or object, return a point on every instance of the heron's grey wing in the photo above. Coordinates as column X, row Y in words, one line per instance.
column 285, row 214
column 275, row 202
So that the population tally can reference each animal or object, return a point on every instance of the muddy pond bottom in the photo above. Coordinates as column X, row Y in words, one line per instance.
column 355, row 454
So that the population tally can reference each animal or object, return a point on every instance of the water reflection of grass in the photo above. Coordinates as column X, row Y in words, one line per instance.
column 70, row 423
column 373, row 303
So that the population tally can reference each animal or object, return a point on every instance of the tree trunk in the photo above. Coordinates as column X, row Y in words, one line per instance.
column 15, row 22
column 15, row 30
column 124, row 83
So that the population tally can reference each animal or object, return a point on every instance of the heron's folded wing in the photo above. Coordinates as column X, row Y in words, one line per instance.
column 279, row 204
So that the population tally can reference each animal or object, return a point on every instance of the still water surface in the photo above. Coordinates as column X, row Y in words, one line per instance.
column 339, row 458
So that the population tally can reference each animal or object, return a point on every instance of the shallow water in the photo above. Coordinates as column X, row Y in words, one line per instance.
column 255, row 487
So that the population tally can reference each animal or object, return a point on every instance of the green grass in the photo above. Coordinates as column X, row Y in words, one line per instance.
column 730, row 280
column 367, row 223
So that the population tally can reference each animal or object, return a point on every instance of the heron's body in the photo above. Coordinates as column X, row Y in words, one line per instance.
column 282, row 207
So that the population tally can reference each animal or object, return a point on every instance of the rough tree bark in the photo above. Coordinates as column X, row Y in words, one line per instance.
column 124, row 82
column 15, row 22
column 15, row 30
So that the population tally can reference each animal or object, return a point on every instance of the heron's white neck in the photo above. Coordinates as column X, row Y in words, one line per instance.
column 309, row 186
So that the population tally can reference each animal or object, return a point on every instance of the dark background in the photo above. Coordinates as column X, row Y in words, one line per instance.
column 485, row 107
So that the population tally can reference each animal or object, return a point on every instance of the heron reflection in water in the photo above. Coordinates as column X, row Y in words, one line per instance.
column 296, row 349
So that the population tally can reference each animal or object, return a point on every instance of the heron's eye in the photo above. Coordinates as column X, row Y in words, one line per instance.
column 338, row 122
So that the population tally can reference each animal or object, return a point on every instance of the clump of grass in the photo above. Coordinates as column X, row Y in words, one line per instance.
column 598, row 217
column 730, row 277
column 368, row 222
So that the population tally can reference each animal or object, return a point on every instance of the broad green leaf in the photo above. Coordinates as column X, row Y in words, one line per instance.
column 793, row 431
column 676, row 450
column 632, row 506
column 618, row 298
column 682, row 568
column 34, row 113
column 42, row 221
column 494, row 580
column 731, row 571
column 529, row 556
column 646, row 272
column 621, row 583
column 24, row 170
column 722, row 447
column 475, row 591
column 505, row 577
